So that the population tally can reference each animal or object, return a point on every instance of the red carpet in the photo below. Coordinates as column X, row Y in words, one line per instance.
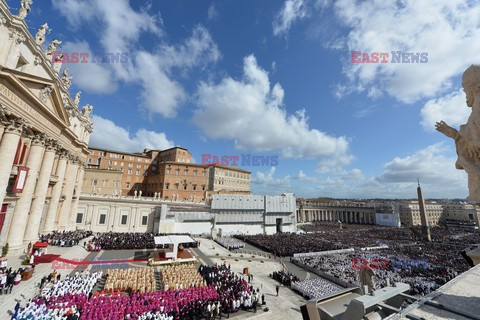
column 46, row 258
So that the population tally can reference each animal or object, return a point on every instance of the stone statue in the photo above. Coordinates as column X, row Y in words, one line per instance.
column 51, row 48
column 24, row 8
column 66, row 78
column 76, row 101
column 40, row 36
column 135, row 193
column 140, row 193
column 367, row 278
column 467, row 139
column 87, row 110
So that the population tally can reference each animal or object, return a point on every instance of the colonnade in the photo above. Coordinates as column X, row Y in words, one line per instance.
column 37, row 181
column 345, row 215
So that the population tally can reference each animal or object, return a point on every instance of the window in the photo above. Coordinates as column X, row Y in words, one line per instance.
column 184, row 187
column 176, row 186
column 177, row 172
column 186, row 172
column 195, row 172
column 121, row 164
column 129, row 171
column 204, row 173
column 94, row 182
column 144, row 220
column 89, row 160
column 139, row 166
column 203, row 187
column 124, row 219
column 167, row 185
column 102, row 219
column 130, row 165
column 131, row 158
column 127, row 185
column 79, row 217
column 137, row 172
column 98, row 161
column 115, row 184
column 194, row 187
column 168, row 171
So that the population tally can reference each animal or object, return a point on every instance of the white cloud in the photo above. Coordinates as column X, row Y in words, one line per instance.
column 108, row 135
column 119, row 30
column 410, row 26
column 291, row 11
column 433, row 165
column 250, row 111
column 212, row 12
column 101, row 82
column 451, row 108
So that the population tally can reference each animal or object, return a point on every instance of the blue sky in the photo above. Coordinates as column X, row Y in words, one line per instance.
column 275, row 78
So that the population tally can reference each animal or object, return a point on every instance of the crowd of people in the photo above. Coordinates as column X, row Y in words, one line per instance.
column 128, row 241
column 230, row 243
column 72, row 298
column 65, row 238
column 59, row 299
column 137, row 280
column 285, row 278
column 423, row 280
column 182, row 276
column 9, row 278
column 286, row 244
column 121, row 241
column 315, row 288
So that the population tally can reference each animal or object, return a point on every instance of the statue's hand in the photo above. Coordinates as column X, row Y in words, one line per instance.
column 444, row 128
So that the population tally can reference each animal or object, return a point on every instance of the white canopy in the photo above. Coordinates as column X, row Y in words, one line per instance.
column 175, row 240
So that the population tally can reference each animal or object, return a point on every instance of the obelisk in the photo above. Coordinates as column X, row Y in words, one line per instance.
column 423, row 215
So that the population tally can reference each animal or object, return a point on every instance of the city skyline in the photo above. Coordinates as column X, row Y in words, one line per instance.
column 276, row 78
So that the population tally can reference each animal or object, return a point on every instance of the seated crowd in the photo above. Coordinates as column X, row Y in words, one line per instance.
column 230, row 243
column 181, row 276
column 70, row 298
column 127, row 241
column 284, row 278
column 326, row 236
column 65, row 238
column 137, row 280
column 315, row 288
column 422, row 278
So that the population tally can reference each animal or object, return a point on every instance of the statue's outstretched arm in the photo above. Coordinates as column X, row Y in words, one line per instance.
column 444, row 128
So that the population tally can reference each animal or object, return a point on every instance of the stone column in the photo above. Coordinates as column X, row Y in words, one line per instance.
column 22, row 208
column 31, row 233
column 56, row 192
column 78, row 187
column 8, row 148
column 64, row 220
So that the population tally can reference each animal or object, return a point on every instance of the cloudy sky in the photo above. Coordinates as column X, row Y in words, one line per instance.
column 276, row 78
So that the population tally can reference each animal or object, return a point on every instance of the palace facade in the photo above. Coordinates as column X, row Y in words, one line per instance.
column 43, row 136
column 165, row 174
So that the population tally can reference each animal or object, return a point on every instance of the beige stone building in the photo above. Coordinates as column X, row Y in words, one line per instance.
column 461, row 214
column 102, row 182
column 409, row 213
column 43, row 136
column 168, row 174
column 229, row 180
